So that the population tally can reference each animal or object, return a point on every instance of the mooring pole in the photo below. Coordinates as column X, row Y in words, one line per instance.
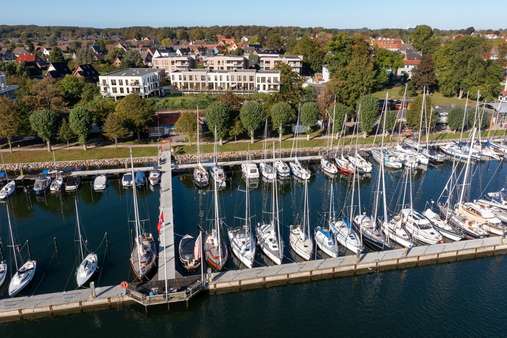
column 92, row 289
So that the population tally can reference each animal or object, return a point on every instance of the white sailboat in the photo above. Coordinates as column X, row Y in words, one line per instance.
column 300, row 239
column 24, row 274
column 241, row 238
column 217, row 172
column 7, row 190
column 268, row 172
column 361, row 165
column 268, row 234
column 324, row 237
column 214, row 246
column 326, row 164
column 143, row 257
column 199, row 175
column 100, row 183
column 89, row 264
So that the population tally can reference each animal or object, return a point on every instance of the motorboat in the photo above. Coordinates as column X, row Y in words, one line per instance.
column 394, row 231
column 498, row 210
column 370, row 232
column 470, row 228
column 250, row 171
column 7, row 190
column 419, row 227
column 218, row 176
column 23, row 276
column 190, row 252
column 100, row 183
column 86, row 269
column 326, row 241
column 433, row 155
column 200, row 176
column 3, row 272
column 298, row 170
column 126, row 180
column 442, row 226
column 71, row 183
column 488, row 220
column 346, row 236
column 41, row 184
column 154, row 177
column 328, row 166
column 412, row 155
column 282, row 169
column 268, row 172
column 139, row 178
column 56, row 184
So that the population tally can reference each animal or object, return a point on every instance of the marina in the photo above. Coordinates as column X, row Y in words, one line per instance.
column 169, row 211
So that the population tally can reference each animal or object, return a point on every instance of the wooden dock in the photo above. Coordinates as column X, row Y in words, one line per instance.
column 113, row 171
column 166, row 254
column 353, row 265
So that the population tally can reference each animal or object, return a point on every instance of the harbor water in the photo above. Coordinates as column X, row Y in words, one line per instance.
column 443, row 300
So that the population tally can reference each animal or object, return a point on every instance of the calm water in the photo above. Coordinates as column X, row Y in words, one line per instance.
column 463, row 299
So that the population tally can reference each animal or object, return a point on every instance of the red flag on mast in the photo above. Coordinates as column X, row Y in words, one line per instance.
column 160, row 221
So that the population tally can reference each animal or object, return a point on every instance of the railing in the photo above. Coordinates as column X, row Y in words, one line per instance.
column 171, row 297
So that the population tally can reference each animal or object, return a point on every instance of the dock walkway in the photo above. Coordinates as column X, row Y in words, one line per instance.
column 351, row 265
column 166, row 254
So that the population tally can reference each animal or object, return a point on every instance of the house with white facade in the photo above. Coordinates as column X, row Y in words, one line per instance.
column 241, row 81
column 173, row 62
column 224, row 62
column 140, row 81
column 271, row 61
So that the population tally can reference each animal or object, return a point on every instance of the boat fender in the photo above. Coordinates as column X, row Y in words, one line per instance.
column 124, row 285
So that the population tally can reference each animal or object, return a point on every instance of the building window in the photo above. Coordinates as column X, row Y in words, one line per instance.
column 114, row 90
column 121, row 90
column 120, row 82
column 113, row 82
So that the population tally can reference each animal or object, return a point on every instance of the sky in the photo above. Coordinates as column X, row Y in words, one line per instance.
column 444, row 14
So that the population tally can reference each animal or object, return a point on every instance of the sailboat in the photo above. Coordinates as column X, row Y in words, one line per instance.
column 217, row 172
column 268, row 172
column 295, row 166
column 3, row 268
column 190, row 251
column 282, row 169
column 326, row 163
column 143, row 257
column 214, row 246
column 268, row 234
column 324, row 237
column 199, row 175
column 89, row 264
column 343, row 229
column 344, row 166
column 300, row 239
column 241, row 238
column 362, row 165
column 7, row 190
column 24, row 274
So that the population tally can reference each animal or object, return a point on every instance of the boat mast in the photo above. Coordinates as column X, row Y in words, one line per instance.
column 198, row 147
column 81, row 251
column 12, row 237
column 276, row 220
column 217, row 221
column 136, row 214
column 247, row 207
column 423, row 109
column 356, row 127
column 296, row 133
column 359, row 208
column 331, row 202
column 382, row 172
column 332, row 126
column 306, row 218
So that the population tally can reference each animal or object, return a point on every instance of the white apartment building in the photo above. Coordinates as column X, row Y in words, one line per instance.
column 172, row 63
column 270, row 61
column 141, row 81
column 241, row 81
column 224, row 62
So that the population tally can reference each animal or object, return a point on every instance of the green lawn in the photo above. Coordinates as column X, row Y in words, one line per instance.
column 23, row 156
column 437, row 99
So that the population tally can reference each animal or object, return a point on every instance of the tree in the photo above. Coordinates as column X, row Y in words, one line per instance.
column 114, row 128
column 56, row 55
column 460, row 67
column 72, row 89
column 65, row 134
column 424, row 75
column 414, row 113
column 80, row 121
column 455, row 119
column 423, row 40
column 369, row 113
column 218, row 119
column 236, row 129
column 388, row 61
column 115, row 53
column 132, row 59
column 251, row 116
column 9, row 119
column 43, row 122
column 340, row 112
column 100, row 107
column 290, row 85
column 135, row 112
column 309, row 116
column 281, row 113
column 187, row 125
column 43, row 94
column 313, row 54
column 166, row 42
column 84, row 55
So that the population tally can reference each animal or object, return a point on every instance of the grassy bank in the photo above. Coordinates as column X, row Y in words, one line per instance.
column 437, row 99
column 24, row 156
